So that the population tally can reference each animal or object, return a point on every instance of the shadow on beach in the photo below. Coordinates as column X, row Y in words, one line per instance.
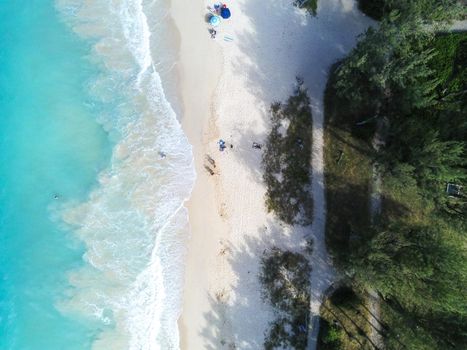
column 285, row 42
column 241, row 304
column 242, row 300
column 303, row 45
column 281, row 43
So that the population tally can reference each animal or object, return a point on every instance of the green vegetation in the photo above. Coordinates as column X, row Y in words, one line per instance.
column 286, row 160
column 431, row 9
column 345, row 323
column 415, row 254
column 348, row 174
column 285, row 279
column 330, row 336
column 310, row 5
column 414, row 269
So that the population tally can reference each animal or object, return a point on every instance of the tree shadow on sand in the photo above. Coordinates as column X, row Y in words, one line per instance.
column 238, row 316
column 303, row 45
column 307, row 45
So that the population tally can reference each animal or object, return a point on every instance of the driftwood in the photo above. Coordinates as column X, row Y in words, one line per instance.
column 210, row 160
column 209, row 170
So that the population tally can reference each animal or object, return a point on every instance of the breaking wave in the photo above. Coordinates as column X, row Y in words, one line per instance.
column 134, row 224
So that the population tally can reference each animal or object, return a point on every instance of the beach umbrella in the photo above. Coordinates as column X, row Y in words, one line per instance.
column 214, row 21
column 225, row 12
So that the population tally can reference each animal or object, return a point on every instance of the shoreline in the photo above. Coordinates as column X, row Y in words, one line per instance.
column 197, row 114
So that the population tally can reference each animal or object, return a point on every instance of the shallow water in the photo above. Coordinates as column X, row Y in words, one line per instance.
column 51, row 145
column 84, row 119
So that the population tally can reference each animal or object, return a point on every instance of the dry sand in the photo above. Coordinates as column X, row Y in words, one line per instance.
column 227, row 88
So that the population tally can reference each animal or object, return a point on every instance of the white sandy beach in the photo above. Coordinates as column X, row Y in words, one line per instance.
column 227, row 88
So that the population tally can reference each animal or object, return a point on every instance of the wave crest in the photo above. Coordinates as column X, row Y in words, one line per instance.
column 134, row 224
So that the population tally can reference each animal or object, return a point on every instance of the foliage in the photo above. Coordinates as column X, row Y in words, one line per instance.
column 310, row 5
column 415, row 78
column 389, row 63
column 450, row 60
column 345, row 321
column 439, row 154
column 330, row 337
column 285, row 279
column 415, row 254
column 286, row 160
column 438, row 10
column 414, row 265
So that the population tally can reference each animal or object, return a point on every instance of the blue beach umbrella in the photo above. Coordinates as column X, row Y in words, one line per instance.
column 225, row 12
column 214, row 21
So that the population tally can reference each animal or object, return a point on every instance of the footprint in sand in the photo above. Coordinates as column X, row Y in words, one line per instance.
column 223, row 211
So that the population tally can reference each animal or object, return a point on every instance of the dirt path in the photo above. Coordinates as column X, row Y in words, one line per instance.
column 323, row 273
column 332, row 35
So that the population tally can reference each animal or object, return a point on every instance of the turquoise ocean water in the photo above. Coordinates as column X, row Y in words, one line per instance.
column 92, row 224
column 50, row 144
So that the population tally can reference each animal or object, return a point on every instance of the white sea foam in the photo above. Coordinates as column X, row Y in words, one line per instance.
column 134, row 225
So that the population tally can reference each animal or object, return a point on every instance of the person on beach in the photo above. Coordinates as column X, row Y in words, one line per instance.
column 222, row 145
column 219, row 6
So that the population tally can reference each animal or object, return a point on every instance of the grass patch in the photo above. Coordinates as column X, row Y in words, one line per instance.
column 402, row 200
column 286, row 160
column 285, row 277
column 348, row 164
column 345, row 321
